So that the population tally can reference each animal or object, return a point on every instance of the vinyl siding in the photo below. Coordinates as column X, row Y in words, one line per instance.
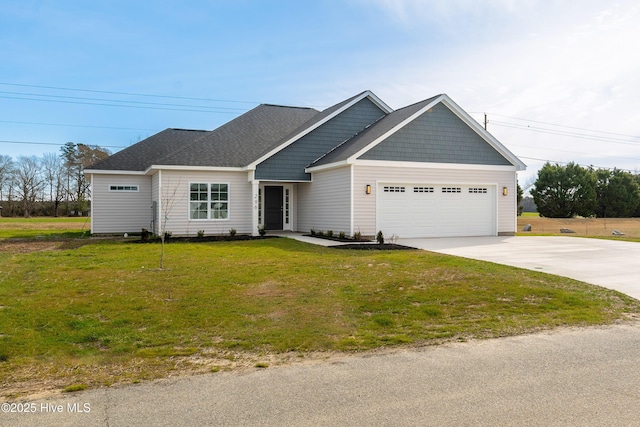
column 155, row 197
column 176, row 207
column 365, row 205
column 324, row 204
column 437, row 136
column 120, row 211
column 289, row 164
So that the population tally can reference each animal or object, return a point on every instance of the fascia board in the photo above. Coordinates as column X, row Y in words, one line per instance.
column 379, row 102
column 490, row 139
column 113, row 172
column 394, row 129
column 196, row 168
column 293, row 139
column 327, row 166
column 424, row 165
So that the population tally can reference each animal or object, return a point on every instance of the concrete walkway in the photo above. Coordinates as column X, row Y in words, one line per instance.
column 608, row 263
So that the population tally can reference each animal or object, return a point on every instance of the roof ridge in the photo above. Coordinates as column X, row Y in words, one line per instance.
column 287, row 106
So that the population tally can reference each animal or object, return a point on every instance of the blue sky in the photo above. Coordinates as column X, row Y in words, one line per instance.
column 560, row 80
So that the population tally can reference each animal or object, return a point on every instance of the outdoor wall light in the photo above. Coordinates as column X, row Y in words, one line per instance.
column 367, row 190
column 505, row 191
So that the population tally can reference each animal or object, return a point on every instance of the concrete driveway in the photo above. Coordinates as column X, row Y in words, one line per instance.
column 608, row 263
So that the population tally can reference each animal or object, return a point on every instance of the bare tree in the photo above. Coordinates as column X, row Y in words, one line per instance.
column 168, row 202
column 53, row 174
column 28, row 181
column 76, row 157
column 6, row 174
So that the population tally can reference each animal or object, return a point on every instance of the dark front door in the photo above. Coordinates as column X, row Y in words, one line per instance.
column 273, row 207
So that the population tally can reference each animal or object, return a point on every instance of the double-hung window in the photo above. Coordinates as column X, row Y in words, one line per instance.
column 208, row 201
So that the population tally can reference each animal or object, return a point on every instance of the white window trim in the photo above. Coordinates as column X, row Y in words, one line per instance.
column 208, row 218
column 122, row 188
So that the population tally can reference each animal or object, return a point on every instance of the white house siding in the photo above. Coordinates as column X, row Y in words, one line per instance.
column 120, row 211
column 365, row 205
column 325, row 203
column 174, row 202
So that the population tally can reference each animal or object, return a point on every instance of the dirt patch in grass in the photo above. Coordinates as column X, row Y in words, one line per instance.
column 585, row 227
column 27, row 246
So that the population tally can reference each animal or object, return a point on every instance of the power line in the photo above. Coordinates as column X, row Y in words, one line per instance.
column 77, row 126
column 121, row 106
column 56, row 143
column 565, row 133
column 565, row 126
column 583, row 165
column 128, row 93
column 120, row 101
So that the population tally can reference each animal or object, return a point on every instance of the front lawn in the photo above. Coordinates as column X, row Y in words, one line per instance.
column 99, row 312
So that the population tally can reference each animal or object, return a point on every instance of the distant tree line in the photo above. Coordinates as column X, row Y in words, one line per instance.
column 566, row 191
column 51, row 185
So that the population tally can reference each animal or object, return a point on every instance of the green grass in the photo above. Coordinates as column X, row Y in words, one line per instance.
column 102, row 313
column 44, row 227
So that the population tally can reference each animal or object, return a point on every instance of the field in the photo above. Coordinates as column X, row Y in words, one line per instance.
column 78, row 312
column 583, row 227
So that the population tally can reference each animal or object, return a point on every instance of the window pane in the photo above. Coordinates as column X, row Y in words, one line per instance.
column 219, row 210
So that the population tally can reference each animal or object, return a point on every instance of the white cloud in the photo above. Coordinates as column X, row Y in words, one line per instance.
column 555, row 62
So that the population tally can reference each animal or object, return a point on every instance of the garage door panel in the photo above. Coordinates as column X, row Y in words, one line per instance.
column 428, row 210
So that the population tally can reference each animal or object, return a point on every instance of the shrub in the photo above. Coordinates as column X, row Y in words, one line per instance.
column 261, row 230
column 233, row 232
column 145, row 234
column 380, row 238
column 320, row 233
column 313, row 231
column 342, row 235
column 357, row 236
column 200, row 233
column 329, row 233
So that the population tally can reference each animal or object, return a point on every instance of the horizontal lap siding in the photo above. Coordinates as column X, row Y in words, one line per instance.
column 120, row 211
column 365, row 205
column 177, row 207
column 155, row 191
column 325, row 203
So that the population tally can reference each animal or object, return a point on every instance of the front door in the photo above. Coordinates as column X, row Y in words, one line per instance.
column 273, row 207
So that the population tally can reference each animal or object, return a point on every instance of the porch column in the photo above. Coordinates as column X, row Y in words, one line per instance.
column 255, row 185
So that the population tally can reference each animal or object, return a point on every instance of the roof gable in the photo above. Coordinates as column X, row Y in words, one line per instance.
column 435, row 130
column 322, row 118
column 289, row 163
column 436, row 136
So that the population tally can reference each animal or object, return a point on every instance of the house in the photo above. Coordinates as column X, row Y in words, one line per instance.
column 425, row 170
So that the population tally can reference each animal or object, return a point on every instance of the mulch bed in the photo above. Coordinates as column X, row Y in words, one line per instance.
column 196, row 239
column 374, row 247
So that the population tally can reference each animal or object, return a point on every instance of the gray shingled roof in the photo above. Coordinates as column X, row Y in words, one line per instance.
column 242, row 140
column 234, row 144
column 141, row 155
column 370, row 134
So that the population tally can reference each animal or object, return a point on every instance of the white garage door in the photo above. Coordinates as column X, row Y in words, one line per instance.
column 428, row 210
